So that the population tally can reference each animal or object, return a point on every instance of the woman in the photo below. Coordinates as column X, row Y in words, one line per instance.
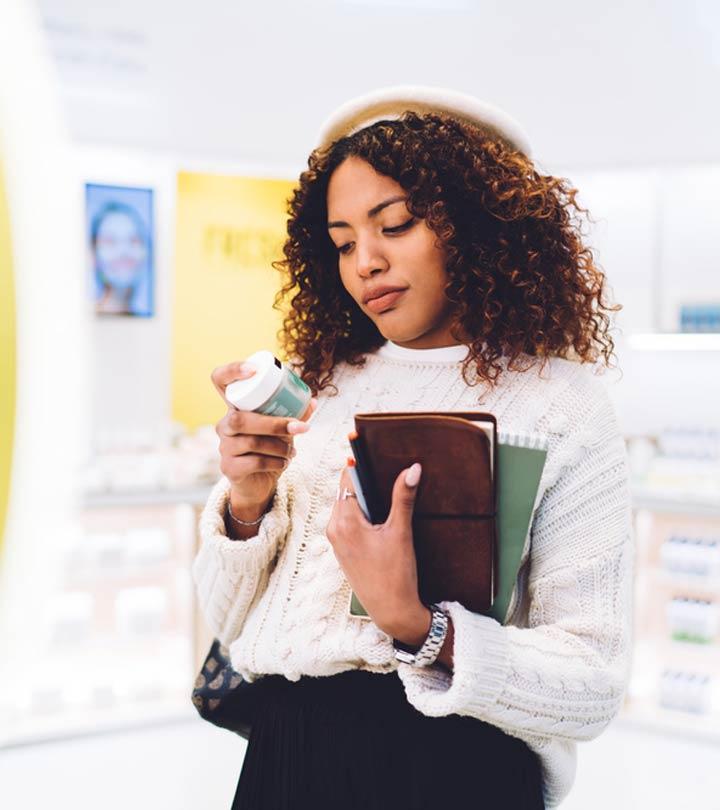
column 120, row 249
column 498, row 307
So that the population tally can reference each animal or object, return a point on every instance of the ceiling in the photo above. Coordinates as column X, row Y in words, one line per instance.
column 615, row 84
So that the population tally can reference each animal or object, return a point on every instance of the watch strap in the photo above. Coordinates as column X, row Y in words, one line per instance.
column 430, row 648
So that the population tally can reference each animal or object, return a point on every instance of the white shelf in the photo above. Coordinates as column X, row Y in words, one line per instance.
column 654, row 651
column 678, row 581
column 643, row 716
column 196, row 497
column 675, row 341
column 684, row 503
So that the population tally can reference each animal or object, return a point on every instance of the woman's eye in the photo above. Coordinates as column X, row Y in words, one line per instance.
column 398, row 229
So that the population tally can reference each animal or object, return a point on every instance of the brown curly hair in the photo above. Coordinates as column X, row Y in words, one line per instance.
column 525, row 286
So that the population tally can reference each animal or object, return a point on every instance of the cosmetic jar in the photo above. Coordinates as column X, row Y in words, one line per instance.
column 274, row 389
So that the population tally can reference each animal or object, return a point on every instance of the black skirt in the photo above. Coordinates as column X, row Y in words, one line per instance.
column 354, row 741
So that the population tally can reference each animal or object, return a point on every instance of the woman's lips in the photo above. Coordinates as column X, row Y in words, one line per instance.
column 384, row 301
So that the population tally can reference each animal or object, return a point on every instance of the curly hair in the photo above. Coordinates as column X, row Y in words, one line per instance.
column 525, row 286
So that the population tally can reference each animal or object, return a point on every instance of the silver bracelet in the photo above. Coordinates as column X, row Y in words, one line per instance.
column 249, row 522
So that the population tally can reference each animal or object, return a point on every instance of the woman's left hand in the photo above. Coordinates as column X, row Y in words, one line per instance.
column 379, row 561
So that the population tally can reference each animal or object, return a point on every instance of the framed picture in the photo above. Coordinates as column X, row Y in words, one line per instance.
column 120, row 241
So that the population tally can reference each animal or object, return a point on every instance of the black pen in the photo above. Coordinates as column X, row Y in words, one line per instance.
column 363, row 473
column 352, row 470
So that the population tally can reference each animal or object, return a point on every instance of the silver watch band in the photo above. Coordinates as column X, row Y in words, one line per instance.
column 430, row 649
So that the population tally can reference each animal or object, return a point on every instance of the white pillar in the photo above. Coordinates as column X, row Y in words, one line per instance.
column 51, row 312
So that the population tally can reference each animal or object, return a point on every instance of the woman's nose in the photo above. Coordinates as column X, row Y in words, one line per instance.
column 370, row 257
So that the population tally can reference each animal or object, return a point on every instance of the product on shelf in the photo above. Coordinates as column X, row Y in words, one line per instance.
column 685, row 691
column 141, row 611
column 46, row 699
column 106, row 550
column 127, row 461
column 147, row 545
column 700, row 317
column 73, row 614
column 691, row 555
column 692, row 619
column 103, row 696
column 690, row 443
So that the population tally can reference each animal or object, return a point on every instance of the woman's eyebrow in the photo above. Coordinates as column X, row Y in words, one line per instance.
column 372, row 212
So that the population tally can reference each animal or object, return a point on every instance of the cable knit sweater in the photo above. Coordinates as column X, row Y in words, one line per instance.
column 555, row 671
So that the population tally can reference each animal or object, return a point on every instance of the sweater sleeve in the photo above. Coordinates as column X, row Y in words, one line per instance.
column 231, row 574
column 565, row 673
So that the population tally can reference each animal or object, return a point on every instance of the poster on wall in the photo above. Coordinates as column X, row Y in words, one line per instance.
column 229, row 230
column 120, row 242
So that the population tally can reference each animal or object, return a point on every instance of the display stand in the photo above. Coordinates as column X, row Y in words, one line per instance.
column 123, row 645
column 675, row 682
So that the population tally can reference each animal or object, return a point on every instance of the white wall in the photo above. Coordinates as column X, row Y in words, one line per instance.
column 130, row 357
column 654, row 233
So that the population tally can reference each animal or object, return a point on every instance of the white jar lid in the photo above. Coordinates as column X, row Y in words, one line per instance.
column 249, row 394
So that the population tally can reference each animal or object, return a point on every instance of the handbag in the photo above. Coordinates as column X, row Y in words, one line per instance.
column 221, row 695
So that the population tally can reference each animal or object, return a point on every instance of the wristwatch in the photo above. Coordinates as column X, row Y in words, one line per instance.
column 430, row 649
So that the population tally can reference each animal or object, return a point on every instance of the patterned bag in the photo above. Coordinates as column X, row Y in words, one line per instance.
column 221, row 696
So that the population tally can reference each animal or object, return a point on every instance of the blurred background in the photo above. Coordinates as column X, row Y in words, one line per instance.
column 146, row 153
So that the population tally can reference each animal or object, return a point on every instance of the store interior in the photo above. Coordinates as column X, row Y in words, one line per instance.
column 190, row 124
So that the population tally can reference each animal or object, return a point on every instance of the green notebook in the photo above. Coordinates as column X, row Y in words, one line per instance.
column 521, row 458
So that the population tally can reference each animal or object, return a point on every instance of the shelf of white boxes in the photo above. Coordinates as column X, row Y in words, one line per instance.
column 675, row 679
column 121, row 646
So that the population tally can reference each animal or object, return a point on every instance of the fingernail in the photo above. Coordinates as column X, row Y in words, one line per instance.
column 247, row 369
column 293, row 453
column 412, row 476
column 297, row 427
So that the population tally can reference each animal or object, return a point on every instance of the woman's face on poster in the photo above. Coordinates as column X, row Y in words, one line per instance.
column 120, row 250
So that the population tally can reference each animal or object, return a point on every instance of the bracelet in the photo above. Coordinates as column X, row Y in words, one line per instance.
column 249, row 522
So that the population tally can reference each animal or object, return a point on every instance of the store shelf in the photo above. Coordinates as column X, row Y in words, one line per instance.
column 693, row 584
column 675, row 341
column 673, row 501
column 660, row 514
column 645, row 716
column 196, row 496
column 119, row 641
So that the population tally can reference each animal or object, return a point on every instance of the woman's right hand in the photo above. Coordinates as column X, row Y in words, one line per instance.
column 254, row 448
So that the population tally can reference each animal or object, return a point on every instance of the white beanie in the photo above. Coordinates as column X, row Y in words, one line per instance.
column 392, row 102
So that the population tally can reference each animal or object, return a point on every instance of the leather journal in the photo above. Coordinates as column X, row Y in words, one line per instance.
column 454, row 517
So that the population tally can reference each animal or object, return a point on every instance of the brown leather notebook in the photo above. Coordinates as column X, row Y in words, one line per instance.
column 454, row 518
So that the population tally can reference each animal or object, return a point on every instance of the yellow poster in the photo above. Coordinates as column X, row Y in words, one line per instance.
column 7, row 358
column 228, row 231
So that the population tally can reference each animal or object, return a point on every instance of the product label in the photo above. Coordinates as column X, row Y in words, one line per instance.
column 296, row 382
column 291, row 400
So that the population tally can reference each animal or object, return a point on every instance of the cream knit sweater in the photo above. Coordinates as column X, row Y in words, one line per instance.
column 555, row 672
